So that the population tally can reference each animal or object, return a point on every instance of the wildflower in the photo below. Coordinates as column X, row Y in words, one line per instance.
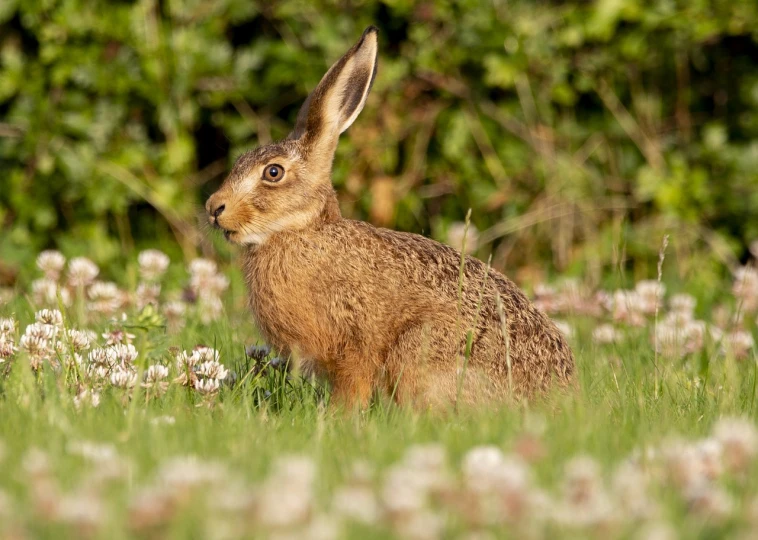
column 7, row 347
column 286, row 497
column 209, row 308
column 629, row 307
column 124, row 353
column 123, row 378
column 585, row 502
column 51, row 317
column 745, row 288
column 709, row 501
column 51, row 263
column 212, row 370
column 86, row 398
column 116, row 337
column 34, row 346
column 565, row 328
column 457, row 234
column 630, row 485
column 606, row 333
column 357, row 503
column 739, row 442
column 81, row 272
column 46, row 291
column 650, row 294
column 425, row 525
column 7, row 326
column 683, row 304
column 92, row 451
column 207, row 386
column 155, row 377
column 737, row 344
column 105, row 297
column 80, row 340
column 83, row 511
column 174, row 313
column 186, row 472
column 152, row 264
column 683, row 464
column 203, row 268
column 147, row 294
column 657, row 531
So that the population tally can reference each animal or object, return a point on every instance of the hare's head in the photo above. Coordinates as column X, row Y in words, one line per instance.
column 287, row 185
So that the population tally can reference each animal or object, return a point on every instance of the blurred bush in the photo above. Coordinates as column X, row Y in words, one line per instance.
column 577, row 132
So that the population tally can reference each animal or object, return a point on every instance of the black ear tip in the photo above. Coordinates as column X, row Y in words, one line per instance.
column 370, row 30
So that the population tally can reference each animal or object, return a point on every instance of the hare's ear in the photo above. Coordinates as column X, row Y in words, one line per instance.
column 340, row 96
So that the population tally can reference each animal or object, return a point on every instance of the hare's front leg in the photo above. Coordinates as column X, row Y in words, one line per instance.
column 353, row 379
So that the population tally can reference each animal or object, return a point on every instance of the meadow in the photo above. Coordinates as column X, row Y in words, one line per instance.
column 149, row 408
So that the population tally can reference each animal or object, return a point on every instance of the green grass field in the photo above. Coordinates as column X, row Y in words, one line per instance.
column 107, row 441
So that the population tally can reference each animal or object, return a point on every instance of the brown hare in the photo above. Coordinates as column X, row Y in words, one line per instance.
column 369, row 309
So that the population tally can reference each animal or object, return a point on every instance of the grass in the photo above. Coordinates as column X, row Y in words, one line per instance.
column 110, row 471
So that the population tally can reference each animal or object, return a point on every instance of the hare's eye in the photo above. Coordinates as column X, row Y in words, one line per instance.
column 273, row 173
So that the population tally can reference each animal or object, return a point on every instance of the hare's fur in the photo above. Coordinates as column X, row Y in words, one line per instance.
column 373, row 309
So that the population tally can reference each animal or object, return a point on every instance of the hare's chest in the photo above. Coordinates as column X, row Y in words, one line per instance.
column 287, row 313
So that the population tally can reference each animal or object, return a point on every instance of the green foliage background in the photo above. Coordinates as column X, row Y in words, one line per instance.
column 569, row 128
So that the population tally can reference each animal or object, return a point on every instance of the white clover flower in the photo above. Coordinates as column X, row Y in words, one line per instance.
column 630, row 487
column 81, row 272
column 650, row 294
column 123, row 353
column 34, row 346
column 564, row 328
column 710, row 501
column 115, row 337
column 286, row 497
column 606, row 333
column 156, row 373
column 207, row 386
column 357, row 503
column 738, row 343
column 7, row 326
column 456, row 232
column 152, row 264
column 105, row 297
column 745, row 287
column 51, row 263
column 99, row 357
column 174, row 312
column 629, row 307
column 46, row 291
column 739, row 442
column 203, row 268
column 147, row 294
column 79, row 339
column 209, row 308
column 683, row 304
column 212, row 370
column 174, row 309
column 52, row 317
column 123, row 378
column 42, row 331
column 84, row 511
column 86, row 398
column 186, row 472
column 205, row 354
column 7, row 347
column 93, row 451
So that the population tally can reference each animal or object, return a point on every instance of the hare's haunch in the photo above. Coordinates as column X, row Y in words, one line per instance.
column 373, row 309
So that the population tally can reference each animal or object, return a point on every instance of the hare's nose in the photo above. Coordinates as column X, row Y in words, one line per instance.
column 218, row 211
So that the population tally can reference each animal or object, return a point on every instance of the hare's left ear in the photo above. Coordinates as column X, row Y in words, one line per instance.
column 340, row 96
